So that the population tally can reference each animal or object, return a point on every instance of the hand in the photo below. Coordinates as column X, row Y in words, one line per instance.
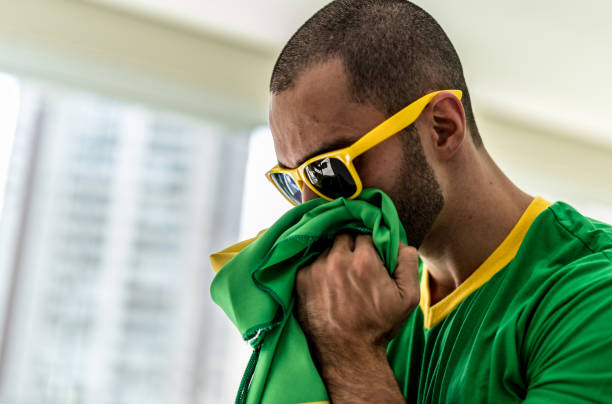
column 350, row 308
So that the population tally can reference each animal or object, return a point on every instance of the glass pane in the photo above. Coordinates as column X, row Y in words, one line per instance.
column 111, row 210
column 286, row 185
column 331, row 177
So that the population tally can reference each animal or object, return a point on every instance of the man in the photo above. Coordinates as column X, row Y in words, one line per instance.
column 515, row 294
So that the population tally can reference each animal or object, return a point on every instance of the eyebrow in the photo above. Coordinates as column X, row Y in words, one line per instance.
column 327, row 147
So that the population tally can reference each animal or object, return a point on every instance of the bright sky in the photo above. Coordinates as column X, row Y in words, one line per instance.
column 9, row 110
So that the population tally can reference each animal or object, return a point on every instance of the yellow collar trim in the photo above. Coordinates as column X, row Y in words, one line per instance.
column 501, row 257
column 219, row 259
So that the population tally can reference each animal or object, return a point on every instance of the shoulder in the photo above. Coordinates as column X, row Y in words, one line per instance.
column 594, row 235
column 571, row 256
column 566, row 266
column 585, row 249
column 562, row 243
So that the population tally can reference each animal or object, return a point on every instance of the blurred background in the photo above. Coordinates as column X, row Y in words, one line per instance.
column 133, row 142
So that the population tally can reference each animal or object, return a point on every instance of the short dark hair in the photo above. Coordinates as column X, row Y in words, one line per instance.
column 393, row 51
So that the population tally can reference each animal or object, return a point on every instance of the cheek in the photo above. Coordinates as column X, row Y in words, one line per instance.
column 379, row 167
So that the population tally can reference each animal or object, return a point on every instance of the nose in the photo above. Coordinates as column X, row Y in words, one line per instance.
column 307, row 193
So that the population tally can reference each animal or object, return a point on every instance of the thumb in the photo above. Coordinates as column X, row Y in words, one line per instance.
column 406, row 274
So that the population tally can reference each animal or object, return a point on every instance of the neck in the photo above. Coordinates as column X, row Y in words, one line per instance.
column 481, row 208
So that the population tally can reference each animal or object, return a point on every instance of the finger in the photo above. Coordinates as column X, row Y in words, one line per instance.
column 406, row 274
column 365, row 245
column 363, row 241
column 324, row 254
column 344, row 242
column 301, row 279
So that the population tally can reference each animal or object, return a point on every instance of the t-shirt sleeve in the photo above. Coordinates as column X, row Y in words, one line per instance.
column 568, row 345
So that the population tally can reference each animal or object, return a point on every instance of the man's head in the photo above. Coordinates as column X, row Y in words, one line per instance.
column 351, row 66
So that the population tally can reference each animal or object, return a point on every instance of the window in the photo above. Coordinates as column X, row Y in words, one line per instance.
column 110, row 212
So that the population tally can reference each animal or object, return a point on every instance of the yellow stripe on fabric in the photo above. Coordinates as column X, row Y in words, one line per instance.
column 315, row 402
column 501, row 257
column 219, row 259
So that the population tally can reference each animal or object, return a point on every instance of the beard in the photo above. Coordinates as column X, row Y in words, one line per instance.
column 416, row 193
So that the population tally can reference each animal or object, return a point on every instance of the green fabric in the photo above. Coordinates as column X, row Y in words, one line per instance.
column 255, row 289
column 539, row 331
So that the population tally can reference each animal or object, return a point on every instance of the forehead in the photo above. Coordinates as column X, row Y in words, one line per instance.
column 317, row 113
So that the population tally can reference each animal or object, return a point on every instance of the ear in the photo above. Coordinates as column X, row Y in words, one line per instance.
column 446, row 124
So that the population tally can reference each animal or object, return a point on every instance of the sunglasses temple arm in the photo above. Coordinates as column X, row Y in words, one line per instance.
column 400, row 120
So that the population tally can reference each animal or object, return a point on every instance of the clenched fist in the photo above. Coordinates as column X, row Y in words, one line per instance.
column 350, row 308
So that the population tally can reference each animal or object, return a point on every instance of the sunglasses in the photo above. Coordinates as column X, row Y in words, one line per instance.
column 332, row 175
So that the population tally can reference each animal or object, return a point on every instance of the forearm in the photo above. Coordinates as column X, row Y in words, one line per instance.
column 363, row 378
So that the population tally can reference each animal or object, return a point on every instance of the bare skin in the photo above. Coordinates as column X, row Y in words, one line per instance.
column 481, row 206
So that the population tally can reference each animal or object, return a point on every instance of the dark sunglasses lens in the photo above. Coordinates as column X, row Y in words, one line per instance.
column 289, row 187
column 331, row 177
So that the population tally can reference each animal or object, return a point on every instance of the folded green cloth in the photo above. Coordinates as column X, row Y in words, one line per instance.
column 255, row 289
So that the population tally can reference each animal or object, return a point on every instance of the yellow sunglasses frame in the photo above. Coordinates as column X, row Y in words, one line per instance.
column 389, row 127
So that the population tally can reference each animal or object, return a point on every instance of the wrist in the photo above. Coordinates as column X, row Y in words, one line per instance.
column 364, row 376
column 359, row 363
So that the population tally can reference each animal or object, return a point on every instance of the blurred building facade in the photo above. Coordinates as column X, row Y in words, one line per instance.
column 110, row 213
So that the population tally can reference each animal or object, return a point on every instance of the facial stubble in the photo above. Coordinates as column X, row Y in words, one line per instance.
column 417, row 194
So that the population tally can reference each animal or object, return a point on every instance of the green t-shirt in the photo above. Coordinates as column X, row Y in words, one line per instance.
column 532, row 324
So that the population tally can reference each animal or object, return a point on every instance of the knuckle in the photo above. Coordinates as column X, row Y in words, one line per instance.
column 360, row 268
column 300, row 283
column 367, row 256
column 302, row 277
column 361, row 256
column 342, row 238
column 363, row 236
column 335, row 261
column 409, row 253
